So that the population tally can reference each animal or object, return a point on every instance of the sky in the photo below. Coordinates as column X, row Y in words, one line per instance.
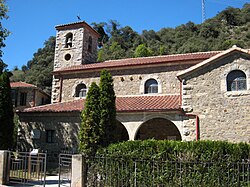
column 32, row 22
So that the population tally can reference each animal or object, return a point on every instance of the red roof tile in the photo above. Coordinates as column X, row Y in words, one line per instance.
column 123, row 104
column 77, row 25
column 212, row 59
column 178, row 58
column 21, row 84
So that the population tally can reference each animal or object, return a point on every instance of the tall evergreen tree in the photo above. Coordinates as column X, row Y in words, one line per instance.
column 90, row 130
column 6, row 108
column 6, row 112
column 107, row 106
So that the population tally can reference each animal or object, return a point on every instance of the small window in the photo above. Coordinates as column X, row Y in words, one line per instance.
column 68, row 41
column 50, row 136
column 67, row 57
column 151, row 86
column 236, row 81
column 90, row 45
column 23, row 98
column 81, row 90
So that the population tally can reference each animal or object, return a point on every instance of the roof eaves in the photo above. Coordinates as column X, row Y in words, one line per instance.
column 213, row 58
column 80, row 23
column 156, row 63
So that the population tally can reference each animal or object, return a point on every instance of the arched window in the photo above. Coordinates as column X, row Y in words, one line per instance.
column 68, row 41
column 236, row 80
column 90, row 45
column 151, row 86
column 81, row 90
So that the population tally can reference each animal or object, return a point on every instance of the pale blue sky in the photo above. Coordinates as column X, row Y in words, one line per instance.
column 31, row 22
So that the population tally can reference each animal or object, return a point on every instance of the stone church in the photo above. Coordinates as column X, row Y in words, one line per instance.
column 187, row 97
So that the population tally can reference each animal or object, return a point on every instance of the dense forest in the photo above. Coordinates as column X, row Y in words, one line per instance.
column 229, row 27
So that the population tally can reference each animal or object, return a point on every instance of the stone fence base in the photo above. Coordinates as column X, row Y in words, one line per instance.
column 79, row 171
column 3, row 167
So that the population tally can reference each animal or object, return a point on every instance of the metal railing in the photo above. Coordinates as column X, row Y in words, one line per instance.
column 65, row 162
column 119, row 172
column 27, row 168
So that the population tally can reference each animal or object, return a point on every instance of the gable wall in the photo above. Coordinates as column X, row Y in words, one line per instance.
column 223, row 115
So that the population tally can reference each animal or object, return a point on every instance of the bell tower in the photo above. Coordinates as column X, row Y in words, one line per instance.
column 76, row 44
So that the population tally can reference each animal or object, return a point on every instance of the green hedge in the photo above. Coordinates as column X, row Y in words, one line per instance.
column 171, row 163
column 204, row 151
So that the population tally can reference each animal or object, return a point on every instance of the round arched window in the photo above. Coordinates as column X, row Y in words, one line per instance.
column 151, row 86
column 236, row 80
column 68, row 40
column 81, row 90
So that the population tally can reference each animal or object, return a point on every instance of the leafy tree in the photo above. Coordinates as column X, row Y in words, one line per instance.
column 229, row 27
column 90, row 131
column 3, row 31
column 107, row 107
column 100, row 28
column 142, row 51
column 18, row 75
column 6, row 108
column 38, row 70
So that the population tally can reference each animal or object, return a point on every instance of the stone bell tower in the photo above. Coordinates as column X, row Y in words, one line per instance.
column 76, row 44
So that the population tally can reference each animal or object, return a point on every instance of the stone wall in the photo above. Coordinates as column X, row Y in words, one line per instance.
column 29, row 98
column 78, row 51
column 41, row 98
column 126, row 81
column 33, row 132
column 224, row 115
column 66, row 127
column 77, row 54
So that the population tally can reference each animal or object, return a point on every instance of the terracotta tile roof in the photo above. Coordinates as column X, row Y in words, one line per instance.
column 129, row 62
column 77, row 25
column 21, row 84
column 206, row 62
column 123, row 104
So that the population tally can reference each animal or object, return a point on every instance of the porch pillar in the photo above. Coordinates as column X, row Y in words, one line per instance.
column 3, row 167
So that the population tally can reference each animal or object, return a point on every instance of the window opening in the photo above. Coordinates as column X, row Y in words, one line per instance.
column 151, row 86
column 67, row 57
column 68, row 41
column 23, row 98
column 90, row 45
column 81, row 90
column 236, row 80
column 50, row 136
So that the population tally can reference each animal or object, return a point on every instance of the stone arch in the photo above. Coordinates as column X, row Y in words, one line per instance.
column 121, row 133
column 158, row 128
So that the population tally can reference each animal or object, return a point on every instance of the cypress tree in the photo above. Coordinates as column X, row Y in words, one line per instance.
column 6, row 111
column 6, row 108
column 90, row 130
column 108, row 109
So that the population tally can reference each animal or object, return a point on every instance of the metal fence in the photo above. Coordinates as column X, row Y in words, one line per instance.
column 65, row 162
column 27, row 168
column 119, row 172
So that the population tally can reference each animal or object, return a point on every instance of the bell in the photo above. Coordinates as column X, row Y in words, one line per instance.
column 69, row 41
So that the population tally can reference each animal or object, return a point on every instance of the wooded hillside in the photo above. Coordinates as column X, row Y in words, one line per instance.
column 229, row 27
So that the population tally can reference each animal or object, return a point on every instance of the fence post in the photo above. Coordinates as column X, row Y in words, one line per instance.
column 3, row 167
column 79, row 171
